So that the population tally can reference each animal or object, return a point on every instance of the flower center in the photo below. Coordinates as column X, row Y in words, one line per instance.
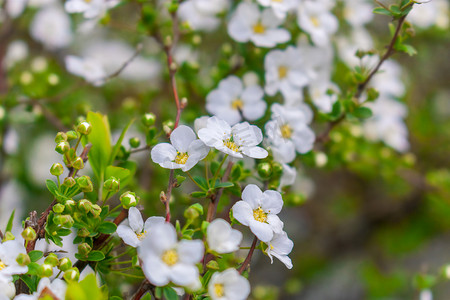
column 231, row 145
column 282, row 72
column 237, row 104
column 2, row 265
column 170, row 257
column 141, row 235
column 260, row 215
column 259, row 28
column 219, row 290
column 315, row 21
column 181, row 158
column 286, row 131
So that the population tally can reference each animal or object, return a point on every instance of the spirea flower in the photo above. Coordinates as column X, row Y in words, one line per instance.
column 87, row 68
column 228, row 285
column 314, row 18
column 164, row 259
column 184, row 152
column 280, row 247
column 259, row 211
column 7, row 290
column 237, row 141
column 90, row 8
column 248, row 23
column 285, row 73
column 280, row 7
column 133, row 233
column 202, row 14
column 47, row 289
column 9, row 251
column 222, row 238
column 231, row 99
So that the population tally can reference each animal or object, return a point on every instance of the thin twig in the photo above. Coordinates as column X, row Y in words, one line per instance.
column 216, row 198
column 249, row 256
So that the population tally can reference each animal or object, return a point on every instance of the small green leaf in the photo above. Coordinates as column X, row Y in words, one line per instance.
column 52, row 187
column 107, row 228
column 10, row 221
column 382, row 11
column 202, row 182
column 224, row 185
column 96, row 256
column 236, row 172
column 198, row 194
column 33, row 268
column 35, row 255
column 362, row 112
column 170, row 294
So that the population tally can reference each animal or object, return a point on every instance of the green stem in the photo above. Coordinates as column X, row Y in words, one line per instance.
column 189, row 175
column 219, row 169
column 207, row 173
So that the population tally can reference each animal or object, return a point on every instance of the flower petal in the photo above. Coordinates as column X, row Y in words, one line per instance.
column 182, row 137
column 135, row 220
column 242, row 212
column 128, row 236
column 163, row 152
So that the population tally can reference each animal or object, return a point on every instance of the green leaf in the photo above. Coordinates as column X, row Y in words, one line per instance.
column 236, row 172
column 96, row 256
column 202, row 182
column 35, row 255
column 52, row 187
column 198, row 194
column 87, row 289
column 107, row 228
column 424, row 281
column 408, row 49
column 147, row 296
column 116, row 148
column 382, row 11
column 31, row 282
column 170, row 294
column 64, row 232
column 33, row 268
column 224, row 184
column 10, row 221
column 362, row 112
column 100, row 138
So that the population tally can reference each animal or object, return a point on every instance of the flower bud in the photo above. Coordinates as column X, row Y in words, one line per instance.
column 60, row 137
column 96, row 210
column 184, row 102
column 71, row 135
column 85, row 184
column 213, row 265
column 69, row 182
column 71, row 275
column 69, row 205
column 148, row 119
column 84, row 205
column 191, row 213
column 64, row 264
column 8, row 236
column 84, row 128
column 52, row 260
column 78, row 163
column 134, row 142
column 112, row 185
column 58, row 208
column 62, row 147
column 23, row 259
column 65, row 221
column 29, row 234
column 173, row 7
column 57, row 169
column 277, row 169
column 46, row 270
column 84, row 249
column 78, row 216
column 265, row 170
column 129, row 199
column 83, row 232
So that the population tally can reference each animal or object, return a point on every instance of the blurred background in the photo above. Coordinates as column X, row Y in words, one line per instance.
column 368, row 221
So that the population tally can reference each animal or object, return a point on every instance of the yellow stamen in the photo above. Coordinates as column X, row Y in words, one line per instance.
column 271, row 247
column 231, row 145
column 87, row 1
column 260, row 215
column 259, row 28
column 181, row 158
column 219, row 290
column 315, row 21
column 237, row 104
column 282, row 72
column 277, row 0
column 2, row 265
column 170, row 257
column 286, row 131
column 141, row 235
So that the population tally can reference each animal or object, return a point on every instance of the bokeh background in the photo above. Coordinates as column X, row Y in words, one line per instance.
column 368, row 223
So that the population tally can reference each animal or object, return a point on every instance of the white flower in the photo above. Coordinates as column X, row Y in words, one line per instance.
column 9, row 251
column 285, row 73
column 228, row 285
column 15, row 8
column 17, row 51
column 7, row 290
column 320, row 97
column 237, row 141
column 249, row 24
column 426, row 294
column 231, row 99
column 89, row 8
column 280, row 7
column 184, row 152
column 51, row 27
column 288, row 131
column 133, row 233
column 288, row 176
column 200, row 123
column 222, row 238
column 388, row 80
column 165, row 260
column 429, row 13
column 358, row 12
column 259, row 211
column 201, row 14
column 87, row 68
column 280, row 247
column 314, row 18
column 55, row 290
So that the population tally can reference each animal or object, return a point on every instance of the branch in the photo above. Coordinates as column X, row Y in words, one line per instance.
column 216, row 198
column 249, row 256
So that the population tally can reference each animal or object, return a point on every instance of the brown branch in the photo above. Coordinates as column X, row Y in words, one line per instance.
column 143, row 288
column 139, row 48
column 249, row 256
column 216, row 198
